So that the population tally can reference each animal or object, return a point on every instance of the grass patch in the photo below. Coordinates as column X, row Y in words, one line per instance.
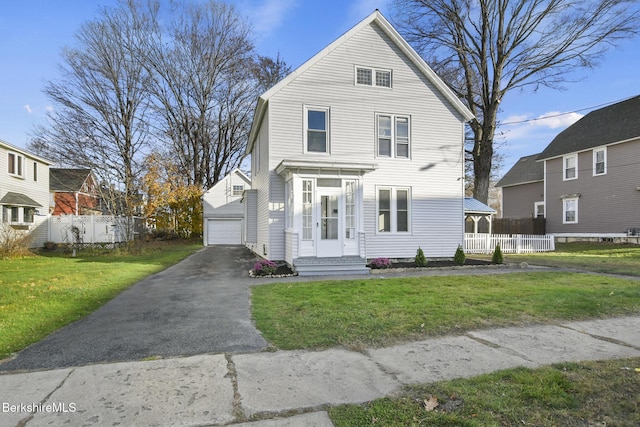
column 380, row 312
column 43, row 293
column 604, row 393
column 598, row 257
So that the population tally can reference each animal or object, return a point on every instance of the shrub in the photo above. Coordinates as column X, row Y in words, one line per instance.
column 264, row 267
column 380, row 263
column 421, row 260
column 497, row 257
column 459, row 257
column 13, row 243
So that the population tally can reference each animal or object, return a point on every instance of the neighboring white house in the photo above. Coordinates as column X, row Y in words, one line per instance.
column 24, row 192
column 223, row 214
column 357, row 154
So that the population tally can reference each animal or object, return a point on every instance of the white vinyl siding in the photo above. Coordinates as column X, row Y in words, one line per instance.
column 600, row 161
column 436, row 136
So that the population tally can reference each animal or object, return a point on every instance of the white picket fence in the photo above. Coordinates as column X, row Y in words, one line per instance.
column 89, row 229
column 482, row 243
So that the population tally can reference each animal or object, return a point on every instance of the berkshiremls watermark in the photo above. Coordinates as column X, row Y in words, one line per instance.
column 34, row 407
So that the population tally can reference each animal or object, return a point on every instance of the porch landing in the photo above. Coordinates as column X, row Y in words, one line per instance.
column 346, row 265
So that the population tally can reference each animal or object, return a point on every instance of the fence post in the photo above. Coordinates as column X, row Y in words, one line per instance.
column 518, row 243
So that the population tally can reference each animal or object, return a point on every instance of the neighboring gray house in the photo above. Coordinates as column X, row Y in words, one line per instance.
column 591, row 176
column 223, row 214
column 355, row 155
column 24, row 192
column 592, row 173
column 523, row 189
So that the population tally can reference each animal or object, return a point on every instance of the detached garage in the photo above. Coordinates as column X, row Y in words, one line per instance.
column 224, row 231
column 223, row 213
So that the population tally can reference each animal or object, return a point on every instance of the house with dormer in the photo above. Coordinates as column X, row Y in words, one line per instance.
column 357, row 154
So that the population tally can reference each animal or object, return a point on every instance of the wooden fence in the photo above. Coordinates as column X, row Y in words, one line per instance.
column 509, row 243
column 519, row 226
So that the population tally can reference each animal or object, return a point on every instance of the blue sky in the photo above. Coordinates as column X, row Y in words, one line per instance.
column 33, row 33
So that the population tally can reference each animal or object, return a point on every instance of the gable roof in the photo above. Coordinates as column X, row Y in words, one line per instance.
column 377, row 18
column 472, row 206
column 67, row 180
column 527, row 169
column 25, row 153
column 615, row 123
column 236, row 171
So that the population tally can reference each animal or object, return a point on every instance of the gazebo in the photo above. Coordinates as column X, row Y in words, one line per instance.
column 475, row 210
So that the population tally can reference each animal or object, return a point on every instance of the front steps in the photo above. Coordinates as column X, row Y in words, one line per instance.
column 338, row 266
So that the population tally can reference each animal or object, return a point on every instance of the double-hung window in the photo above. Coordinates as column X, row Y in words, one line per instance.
column 393, row 136
column 600, row 161
column 316, row 123
column 393, row 210
column 570, row 210
column 570, row 167
column 15, row 165
column 237, row 190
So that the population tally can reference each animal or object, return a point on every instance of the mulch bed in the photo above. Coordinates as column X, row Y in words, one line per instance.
column 285, row 271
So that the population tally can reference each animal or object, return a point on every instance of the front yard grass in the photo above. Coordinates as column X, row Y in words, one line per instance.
column 381, row 312
column 598, row 257
column 604, row 393
column 43, row 293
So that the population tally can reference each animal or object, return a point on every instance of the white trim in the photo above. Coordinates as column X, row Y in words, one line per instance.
column 374, row 79
column 327, row 123
column 564, row 166
column 564, row 210
column 535, row 209
column 393, row 209
column 393, row 137
column 19, row 165
column 595, row 151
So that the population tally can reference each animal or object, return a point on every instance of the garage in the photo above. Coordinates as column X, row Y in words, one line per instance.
column 227, row 231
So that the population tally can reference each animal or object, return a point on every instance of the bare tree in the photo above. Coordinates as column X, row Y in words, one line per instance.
column 486, row 48
column 201, row 89
column 98, row 119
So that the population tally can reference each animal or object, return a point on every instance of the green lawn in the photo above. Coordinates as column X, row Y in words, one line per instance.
column 380, row 312
column 605, row 393
column 42, row 293
column 598, row 257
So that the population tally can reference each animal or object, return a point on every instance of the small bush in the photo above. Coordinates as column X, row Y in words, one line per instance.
column 13, row 243
column 380, row 263
column 459, row 257
column 421, row 260
column 264, row 267
column 497, row 257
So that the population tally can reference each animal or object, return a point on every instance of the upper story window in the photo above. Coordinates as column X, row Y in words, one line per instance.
column 600, row 161
column 316, row 123
column 237, row 190
column 366, row 76
column 570, row 167
column 393, row 136
column 15, row 165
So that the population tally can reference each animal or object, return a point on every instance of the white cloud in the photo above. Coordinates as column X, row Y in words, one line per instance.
column 269, row 15
column 27, row 108
column 556, row 119
column 49, row 108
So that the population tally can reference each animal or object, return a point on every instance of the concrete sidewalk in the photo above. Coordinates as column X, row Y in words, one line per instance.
column 217, row 389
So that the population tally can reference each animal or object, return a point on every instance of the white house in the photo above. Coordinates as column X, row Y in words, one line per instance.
column 355, row 155
column 24, row 192
column 223, row 214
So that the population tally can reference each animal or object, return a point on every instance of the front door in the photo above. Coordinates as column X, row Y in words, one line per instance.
column 329, row 226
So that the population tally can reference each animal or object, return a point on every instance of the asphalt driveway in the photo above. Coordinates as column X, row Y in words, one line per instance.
column 200, row 305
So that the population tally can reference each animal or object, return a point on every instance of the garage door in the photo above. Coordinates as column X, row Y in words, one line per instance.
column 224, row 232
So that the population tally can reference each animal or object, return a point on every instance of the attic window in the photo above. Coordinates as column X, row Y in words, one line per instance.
column 366, row 76
column 237, row 190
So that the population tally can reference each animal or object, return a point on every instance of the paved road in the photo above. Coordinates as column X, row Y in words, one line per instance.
column 198, row 306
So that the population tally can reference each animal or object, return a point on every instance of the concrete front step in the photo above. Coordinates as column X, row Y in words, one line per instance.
column 311, row 266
